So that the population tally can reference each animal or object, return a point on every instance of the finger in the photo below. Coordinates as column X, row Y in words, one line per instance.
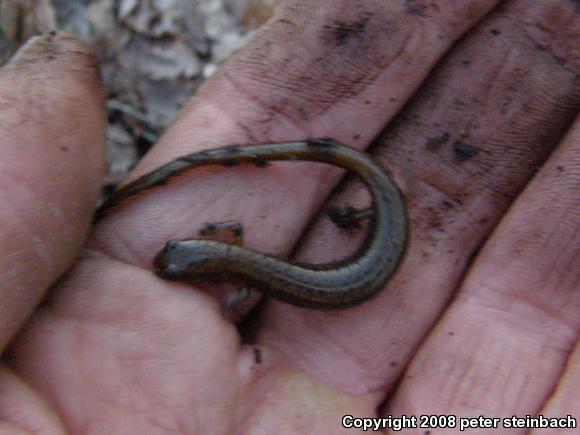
column 52, row 123
column 563, row 401
column 503, row 345
column 22, row 411
column 461, row 151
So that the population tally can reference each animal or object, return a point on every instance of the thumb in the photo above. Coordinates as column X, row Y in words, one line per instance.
column 51, row 142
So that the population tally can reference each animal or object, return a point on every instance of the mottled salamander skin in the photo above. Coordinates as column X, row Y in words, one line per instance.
column 320, row 286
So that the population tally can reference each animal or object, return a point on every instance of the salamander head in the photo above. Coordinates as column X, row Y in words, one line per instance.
column 187, row 259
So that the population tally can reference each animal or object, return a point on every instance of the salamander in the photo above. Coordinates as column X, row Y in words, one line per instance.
column 333, row 285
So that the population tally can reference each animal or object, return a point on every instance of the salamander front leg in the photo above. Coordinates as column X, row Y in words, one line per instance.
column 227, row 232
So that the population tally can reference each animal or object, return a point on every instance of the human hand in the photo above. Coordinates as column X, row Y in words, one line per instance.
column 116, row 350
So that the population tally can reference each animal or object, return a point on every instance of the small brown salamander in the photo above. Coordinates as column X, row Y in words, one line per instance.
column 322, row 286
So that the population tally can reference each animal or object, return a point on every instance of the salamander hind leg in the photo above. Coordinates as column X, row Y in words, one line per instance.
column 348, row 217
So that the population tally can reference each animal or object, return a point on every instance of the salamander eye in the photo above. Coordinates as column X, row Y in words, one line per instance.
column 171, row 245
